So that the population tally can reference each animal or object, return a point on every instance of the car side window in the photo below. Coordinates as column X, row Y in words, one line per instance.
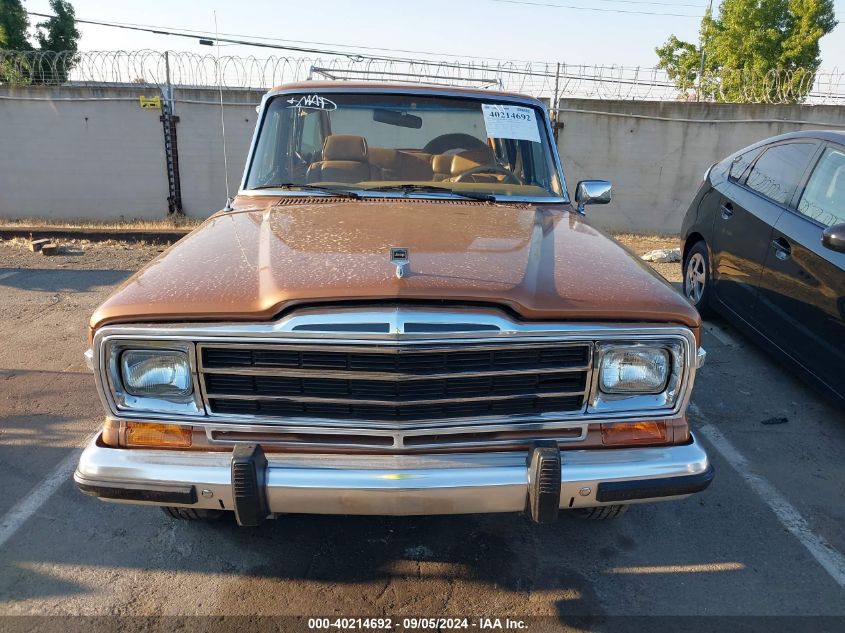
column 823, row 199
column 741, row 163
column 778, row 171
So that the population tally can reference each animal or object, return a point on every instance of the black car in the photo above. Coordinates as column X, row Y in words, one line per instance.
column 764, row 245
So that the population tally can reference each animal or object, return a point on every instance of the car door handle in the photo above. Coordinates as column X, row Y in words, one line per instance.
column 727, row 210
column 782, row 248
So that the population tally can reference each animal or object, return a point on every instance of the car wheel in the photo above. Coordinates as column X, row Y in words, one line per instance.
column 697, row 278
column 601, row 513
column 192, row 514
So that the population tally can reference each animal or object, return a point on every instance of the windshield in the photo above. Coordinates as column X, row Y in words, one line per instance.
column 410, row 144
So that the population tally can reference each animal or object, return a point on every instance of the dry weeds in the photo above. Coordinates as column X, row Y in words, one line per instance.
column 46, row 223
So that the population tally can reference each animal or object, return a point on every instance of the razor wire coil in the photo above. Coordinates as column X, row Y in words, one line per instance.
column 539, row 79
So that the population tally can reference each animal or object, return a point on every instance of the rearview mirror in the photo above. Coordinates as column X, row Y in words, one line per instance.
column 397, row 118
column 834, row 237
column 592, row 192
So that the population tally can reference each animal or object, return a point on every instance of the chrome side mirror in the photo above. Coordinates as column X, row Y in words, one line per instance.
column 834, row 237
column 591, row 192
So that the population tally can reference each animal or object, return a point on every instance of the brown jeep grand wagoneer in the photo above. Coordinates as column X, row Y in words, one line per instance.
column 400, row 313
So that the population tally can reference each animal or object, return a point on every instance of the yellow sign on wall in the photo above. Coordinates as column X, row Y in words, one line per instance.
column 151, row 103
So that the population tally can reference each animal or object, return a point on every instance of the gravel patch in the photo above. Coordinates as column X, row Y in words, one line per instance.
column 639, row 245
column 80, row 255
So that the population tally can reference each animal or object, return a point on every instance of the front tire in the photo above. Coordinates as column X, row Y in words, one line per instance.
column 192, row 514
column 697, row 278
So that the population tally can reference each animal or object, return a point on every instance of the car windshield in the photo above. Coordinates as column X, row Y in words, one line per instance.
column 407, row 144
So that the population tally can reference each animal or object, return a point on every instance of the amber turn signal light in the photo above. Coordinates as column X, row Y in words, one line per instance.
column 157, row 435
column 620, row 433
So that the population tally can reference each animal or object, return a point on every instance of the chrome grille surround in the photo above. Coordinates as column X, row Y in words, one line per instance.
column 392, row 328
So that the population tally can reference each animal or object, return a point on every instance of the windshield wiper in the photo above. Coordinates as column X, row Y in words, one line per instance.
column 409, row 188
column 292, row 186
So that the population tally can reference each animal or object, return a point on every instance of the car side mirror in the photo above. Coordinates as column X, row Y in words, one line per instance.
column 592, row 192
column 834, row 237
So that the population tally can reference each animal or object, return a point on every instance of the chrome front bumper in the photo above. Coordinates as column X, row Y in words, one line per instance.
column 393, row 484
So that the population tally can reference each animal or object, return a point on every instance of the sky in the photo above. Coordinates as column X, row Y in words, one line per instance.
column 493, row 29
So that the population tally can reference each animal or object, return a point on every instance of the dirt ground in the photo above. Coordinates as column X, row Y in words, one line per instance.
column 80, row 254
column 641, row 244
column 112, row 255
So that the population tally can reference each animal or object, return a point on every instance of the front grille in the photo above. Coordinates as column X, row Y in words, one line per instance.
column 402, row 360
column 402, row 383
column 396, row 391
column 293, row 409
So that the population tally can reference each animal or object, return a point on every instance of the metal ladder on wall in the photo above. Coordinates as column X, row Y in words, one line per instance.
column 169, row 120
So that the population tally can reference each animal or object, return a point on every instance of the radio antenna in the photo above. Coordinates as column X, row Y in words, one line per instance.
column 222, row 118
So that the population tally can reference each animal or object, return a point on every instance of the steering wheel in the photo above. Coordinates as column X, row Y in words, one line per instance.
column 510, row 177
column 456, row 140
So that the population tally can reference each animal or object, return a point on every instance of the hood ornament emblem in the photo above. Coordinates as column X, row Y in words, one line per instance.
column 400, row 257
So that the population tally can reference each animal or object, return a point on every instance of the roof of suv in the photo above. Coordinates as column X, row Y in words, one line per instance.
column 398, row 88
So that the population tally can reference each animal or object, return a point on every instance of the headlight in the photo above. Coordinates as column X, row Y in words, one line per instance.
column 156, row 373
column 634, row 370
column 148, row 376
column 639, row 376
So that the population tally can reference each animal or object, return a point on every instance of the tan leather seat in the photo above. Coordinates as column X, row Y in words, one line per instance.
column 345, row 159
column 386, row 160
column 441, row 165
column 836, row 191
column 468, row 160
column 399, row 165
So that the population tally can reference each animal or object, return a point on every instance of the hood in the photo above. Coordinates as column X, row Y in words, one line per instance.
column 542, row 262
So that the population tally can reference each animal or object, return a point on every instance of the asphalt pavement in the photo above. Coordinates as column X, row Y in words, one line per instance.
column 766, row 539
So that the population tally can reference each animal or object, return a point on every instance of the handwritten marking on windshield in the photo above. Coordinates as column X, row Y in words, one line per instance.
column 312, row 102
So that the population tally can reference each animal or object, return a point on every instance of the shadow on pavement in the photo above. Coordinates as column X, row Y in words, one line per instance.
column 62, row 279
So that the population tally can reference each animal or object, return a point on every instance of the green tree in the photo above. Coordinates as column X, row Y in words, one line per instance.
column 57, row 38
column 754, row 50
column 4, row 71
column 14, row 23
column 58, row 33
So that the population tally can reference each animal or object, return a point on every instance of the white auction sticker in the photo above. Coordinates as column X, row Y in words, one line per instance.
column 510, row 121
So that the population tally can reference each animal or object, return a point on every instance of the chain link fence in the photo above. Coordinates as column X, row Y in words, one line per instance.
column 544, row 80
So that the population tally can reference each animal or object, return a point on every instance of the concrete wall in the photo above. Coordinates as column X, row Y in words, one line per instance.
column 94, row 153
column 655, row 153
column 200, row 135
column 84, row 152
column 71, row 153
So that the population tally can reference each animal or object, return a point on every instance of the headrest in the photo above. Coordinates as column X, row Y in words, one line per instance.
column 345, row 147
column 441, row 163
column 469, row 159
column 382, row 155
column 837, row 184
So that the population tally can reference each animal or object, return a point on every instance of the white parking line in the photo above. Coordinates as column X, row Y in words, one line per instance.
column 719, row 333
column 8, row 274
column 678, row 569
column 23, row 510
column 827, row 556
